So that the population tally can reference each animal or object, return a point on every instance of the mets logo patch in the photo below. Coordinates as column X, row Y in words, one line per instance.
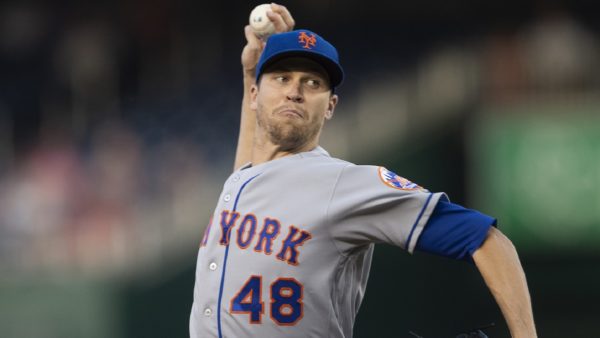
column 307, row 41
column 395, row 181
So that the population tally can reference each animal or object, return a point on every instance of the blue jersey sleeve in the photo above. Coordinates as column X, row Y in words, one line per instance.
column 454, row 231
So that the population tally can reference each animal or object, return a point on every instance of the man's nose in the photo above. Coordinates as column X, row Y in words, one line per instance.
column 294, row 93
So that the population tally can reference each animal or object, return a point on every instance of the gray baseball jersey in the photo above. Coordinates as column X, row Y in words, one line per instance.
column 288, row 250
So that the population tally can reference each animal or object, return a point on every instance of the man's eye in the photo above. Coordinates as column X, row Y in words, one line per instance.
column 281, row 78
column 313, row 83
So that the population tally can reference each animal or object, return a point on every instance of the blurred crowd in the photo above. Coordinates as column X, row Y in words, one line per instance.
column 553, row 55
column 102, row 164
column 116, row 206
column 117, row 121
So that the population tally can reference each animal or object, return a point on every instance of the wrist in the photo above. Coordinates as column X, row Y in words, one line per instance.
column 249, row 79
column 529, row 333
column 249, row 72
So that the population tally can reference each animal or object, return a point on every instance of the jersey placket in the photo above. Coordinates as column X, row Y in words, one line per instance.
column 236, row 183
column 212, row 259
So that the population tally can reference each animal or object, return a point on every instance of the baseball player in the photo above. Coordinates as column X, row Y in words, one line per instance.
column 288, row 250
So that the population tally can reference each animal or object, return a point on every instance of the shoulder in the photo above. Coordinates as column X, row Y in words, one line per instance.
column 378, row 176
column 320, row 160
column 319, row 163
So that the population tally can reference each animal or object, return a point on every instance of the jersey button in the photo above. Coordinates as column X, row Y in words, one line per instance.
column 213, row 266
column 207, row 312
column 227, row 198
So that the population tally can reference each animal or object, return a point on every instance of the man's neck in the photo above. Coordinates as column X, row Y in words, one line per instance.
column 266, row 151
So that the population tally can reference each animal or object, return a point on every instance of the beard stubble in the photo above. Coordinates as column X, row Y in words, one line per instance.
column 287, row 134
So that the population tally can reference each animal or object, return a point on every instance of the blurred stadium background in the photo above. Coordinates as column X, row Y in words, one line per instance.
column 118, row 121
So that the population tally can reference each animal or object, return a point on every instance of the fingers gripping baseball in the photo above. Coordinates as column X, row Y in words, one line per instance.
column 281, row 18
column 252, row 50
column 282, row 21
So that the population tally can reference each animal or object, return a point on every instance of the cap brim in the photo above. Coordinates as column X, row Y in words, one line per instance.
column 334, row 70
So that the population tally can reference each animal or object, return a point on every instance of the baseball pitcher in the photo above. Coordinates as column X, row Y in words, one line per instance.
column 289, row 247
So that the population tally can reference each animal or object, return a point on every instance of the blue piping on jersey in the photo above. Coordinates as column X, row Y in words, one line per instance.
column 225, row 260
column 417, row 222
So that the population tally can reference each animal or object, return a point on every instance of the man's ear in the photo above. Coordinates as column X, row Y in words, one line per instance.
column 253, row 95
column 333, row 100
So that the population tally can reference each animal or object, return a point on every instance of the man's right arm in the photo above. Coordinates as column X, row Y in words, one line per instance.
column 250, row 58
column 283, row 22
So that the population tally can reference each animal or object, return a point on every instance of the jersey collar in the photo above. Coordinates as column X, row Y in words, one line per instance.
column 318, row 151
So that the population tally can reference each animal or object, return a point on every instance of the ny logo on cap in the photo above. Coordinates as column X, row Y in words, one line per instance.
column 308, row 41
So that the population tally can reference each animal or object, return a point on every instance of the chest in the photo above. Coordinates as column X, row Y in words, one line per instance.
column 281, row 215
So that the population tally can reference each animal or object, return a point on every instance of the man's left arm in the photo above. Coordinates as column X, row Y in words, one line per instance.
column 499, row 265
column 456, row 232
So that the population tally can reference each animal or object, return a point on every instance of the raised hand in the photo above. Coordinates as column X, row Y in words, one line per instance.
column 283, row 22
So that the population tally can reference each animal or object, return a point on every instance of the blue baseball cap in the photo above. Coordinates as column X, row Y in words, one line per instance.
column 303, row 43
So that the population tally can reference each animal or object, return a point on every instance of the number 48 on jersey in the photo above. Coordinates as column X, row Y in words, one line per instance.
column 286, row 301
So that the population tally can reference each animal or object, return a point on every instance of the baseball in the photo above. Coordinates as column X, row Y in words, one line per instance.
column 259, row 21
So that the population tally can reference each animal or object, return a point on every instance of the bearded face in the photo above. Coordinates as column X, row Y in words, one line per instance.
column 292, row 102
column 289, row 127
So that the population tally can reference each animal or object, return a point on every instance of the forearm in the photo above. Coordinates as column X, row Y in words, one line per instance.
column 247, row 125
column 283, row 22
column 499, row 264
